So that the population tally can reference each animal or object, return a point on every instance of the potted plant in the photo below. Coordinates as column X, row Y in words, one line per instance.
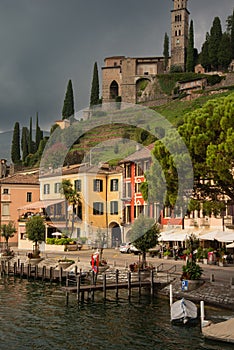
column 192, row 272
column 65, row 263
column 166, row 254
column 35, row 231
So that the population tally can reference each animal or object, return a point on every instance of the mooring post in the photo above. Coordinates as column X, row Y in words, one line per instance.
column 117, row 282
column 2, row 267
column 21, row 269
column 15, row 268
column 18, row 263
column 129, row 284
column 67, row 278
column 139, row 280
column 152, row 282
column 29, row 270
column 7, row 267
column 78, row 287
column 104, row 286
column 43, row 272
column 61, row 275
column 51, row 273
column 36, row 272
column 67, row 298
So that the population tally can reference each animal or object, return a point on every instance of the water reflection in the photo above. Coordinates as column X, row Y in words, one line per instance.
column 34, row 316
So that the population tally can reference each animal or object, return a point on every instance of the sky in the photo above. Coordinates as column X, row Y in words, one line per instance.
column 44, row 43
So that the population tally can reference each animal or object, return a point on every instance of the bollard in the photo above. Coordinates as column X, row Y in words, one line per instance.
column 212, row 278
column 232, row 282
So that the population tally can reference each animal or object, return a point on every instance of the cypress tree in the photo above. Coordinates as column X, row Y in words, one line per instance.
column 94, row 97
column 204, row 55
column 30, row 146
column 166, row 51
column 39, row 134
column 214, row 41
column 15, row 147
column 24, row 143
column 190, row 52
column 224, row 53
column 232, row 36
column 68, row 106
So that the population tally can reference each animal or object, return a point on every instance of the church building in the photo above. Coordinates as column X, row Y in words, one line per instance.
column 133, row 79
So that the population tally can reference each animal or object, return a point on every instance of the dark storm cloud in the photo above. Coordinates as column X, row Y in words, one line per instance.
column 44, row 43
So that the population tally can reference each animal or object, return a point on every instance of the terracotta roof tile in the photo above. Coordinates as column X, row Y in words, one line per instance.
column 24, row 179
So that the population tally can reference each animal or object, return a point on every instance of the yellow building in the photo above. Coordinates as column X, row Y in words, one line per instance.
column 97, row 216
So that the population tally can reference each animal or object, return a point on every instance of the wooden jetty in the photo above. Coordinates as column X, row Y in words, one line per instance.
column 131, row 280
column 77, row 282
column 24, row 270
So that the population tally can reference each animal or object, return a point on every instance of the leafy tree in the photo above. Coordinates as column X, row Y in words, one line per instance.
column 204, row 57
column 8, row 231
column 71, row 196
column 209, row 135
column 214, row 41
column 144, row 235
column 166, row 51
column 190, row 62
column 24, row 143
column 15, row 147
column 35, row 231
column 94, row 97
column 68, row 106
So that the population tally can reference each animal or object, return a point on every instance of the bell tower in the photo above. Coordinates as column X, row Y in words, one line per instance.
column 179, row 33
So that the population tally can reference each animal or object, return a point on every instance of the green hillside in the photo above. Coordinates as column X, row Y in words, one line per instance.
column 176, row 109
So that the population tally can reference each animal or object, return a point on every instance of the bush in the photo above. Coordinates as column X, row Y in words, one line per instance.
column 191, row 271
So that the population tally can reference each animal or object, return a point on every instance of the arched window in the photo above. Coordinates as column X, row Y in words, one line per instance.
column 176, row 33
column 114, row 89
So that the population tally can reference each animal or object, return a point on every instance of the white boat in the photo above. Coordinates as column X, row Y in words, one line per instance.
column 183, row 312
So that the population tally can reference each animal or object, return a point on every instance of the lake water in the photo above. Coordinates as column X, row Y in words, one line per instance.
column 34, row 315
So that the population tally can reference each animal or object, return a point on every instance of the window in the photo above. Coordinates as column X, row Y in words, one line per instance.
column 138, row 169
column 78, row 232
column 97, row 208
column 128, row 170
column 78, row 185
column 114, row 185
column 137, row 187
column 57, row 187
column 5, row 209
column 97, row 185
column 79, row 211
column 46, row 189
column 5, row 191
column 146, row 165
column 29, row 196
column 114, row 208
column 128, row 190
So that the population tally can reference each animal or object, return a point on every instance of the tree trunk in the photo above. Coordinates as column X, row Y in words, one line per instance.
column 143, row 260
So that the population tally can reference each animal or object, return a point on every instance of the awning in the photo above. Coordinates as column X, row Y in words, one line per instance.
column 226, row 237
column 174, row 236
column 41, row 204
column 230, row 245
column 221, row 236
